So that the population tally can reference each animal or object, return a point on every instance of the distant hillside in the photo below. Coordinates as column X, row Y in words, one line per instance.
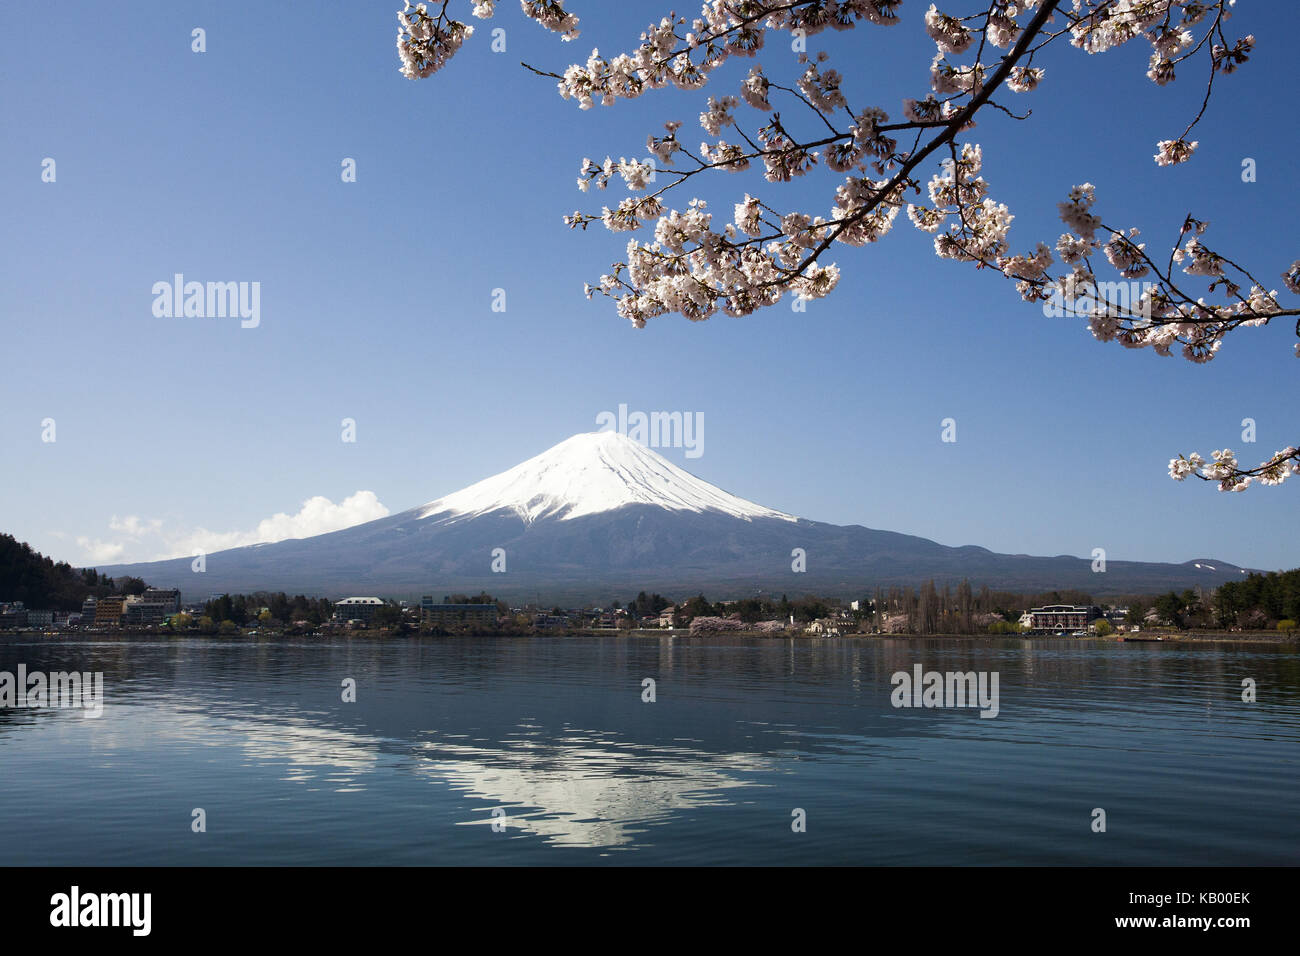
column 28, row 576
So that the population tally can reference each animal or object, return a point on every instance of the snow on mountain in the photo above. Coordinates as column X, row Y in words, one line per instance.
column 588, row 474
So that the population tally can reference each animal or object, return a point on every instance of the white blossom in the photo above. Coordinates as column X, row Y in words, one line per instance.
column 754, row 89
column 552, row 15
column 718, row 114
column 1022, row 79
column 948, row 33
column 1174, row 151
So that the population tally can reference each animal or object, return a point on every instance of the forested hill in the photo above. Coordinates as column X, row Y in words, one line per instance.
column 27, row 575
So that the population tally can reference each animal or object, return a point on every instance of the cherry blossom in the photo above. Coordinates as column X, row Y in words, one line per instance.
column 815, row 126
column 1174, row 151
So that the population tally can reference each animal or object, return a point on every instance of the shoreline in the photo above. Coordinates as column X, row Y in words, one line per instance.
column 1146, row 637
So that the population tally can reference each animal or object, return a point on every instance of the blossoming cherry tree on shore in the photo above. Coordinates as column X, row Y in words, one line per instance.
column 695, row 266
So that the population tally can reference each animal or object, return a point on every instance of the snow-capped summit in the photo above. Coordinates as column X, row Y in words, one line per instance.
column 591, row 473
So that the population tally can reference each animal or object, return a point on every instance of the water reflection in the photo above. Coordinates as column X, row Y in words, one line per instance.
column 555, row 733
column 586, row 790
column 583, row 788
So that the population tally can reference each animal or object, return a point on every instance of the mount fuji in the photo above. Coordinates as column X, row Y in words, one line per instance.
column 589, row 474
column 600, row 516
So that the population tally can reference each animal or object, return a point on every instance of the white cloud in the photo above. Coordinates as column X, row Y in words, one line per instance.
column 148, row 539
column 317, row 515
column 100, row 552
column 134, row 526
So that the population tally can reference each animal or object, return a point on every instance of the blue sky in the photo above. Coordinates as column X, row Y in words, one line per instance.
column 376, row 295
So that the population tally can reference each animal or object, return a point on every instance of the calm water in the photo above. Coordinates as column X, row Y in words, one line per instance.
column 743, row 731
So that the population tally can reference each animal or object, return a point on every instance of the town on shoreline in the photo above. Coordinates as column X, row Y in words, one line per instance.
column 38, row 595
column 159, row 611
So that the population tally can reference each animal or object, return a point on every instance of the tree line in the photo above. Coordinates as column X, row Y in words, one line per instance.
column 1271, row 597
column 263, row 607
column 39, row 582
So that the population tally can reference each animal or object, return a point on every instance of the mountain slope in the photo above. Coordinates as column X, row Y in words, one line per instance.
column 600, row 516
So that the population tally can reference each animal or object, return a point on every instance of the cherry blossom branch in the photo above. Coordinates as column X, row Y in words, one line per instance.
column 1230, row 475
column 692, row 268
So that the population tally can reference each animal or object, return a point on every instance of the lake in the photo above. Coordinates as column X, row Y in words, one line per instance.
column 542, row 750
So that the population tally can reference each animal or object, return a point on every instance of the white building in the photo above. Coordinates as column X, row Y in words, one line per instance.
column 357, row 609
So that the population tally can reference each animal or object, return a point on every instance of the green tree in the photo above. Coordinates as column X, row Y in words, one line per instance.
column 647, row 605
column 697, row 606
column 1137, row 612
column 387, row 615
column 1170, row 607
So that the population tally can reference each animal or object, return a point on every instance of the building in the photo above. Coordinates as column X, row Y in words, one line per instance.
column 154, row 606
column 457, row 615
column 40, row 618
column 145, row 612
column 13, row 614
column 824, row 626
column 111, row 610
column 357, row 609
column 88, row 611
column 666, row 616
column 169, row 598
column 1063, row 617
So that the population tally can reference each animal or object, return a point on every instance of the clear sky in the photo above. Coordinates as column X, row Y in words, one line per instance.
column 376, row 295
